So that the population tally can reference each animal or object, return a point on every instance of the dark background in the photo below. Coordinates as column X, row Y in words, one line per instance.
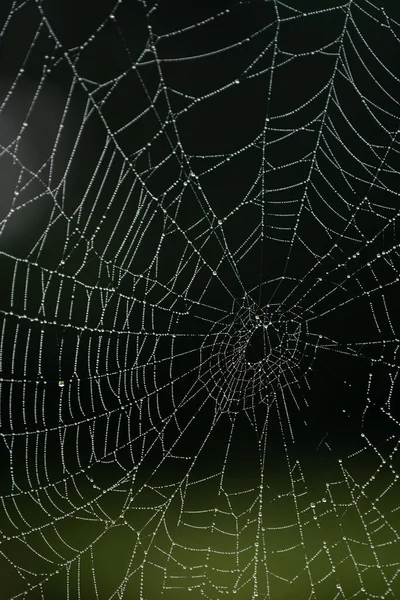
column 101, row 344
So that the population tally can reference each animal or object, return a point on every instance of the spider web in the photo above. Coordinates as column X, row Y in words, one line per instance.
column 199, row 259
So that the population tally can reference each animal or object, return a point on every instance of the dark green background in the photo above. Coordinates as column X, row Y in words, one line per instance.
column 331, row 398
